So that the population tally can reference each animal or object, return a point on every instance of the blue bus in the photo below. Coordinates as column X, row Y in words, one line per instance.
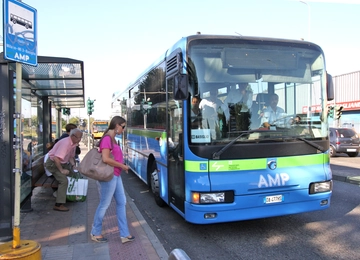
column 222, row 128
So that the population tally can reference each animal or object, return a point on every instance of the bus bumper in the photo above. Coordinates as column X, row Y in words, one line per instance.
column 254, row 207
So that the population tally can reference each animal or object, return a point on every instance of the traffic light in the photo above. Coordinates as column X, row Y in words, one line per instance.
column 338, row 111
column 66, row 111
column 145, row 106
column 90, row 106
column 148, row 106
column 331, row 111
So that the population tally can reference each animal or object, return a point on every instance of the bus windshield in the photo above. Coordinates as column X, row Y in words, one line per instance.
column 100, row 127
column 257, row 92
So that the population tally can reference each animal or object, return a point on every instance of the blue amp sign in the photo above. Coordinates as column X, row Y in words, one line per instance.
column 20, row 32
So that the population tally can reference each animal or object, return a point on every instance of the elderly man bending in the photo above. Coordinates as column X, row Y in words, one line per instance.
column 61, row 164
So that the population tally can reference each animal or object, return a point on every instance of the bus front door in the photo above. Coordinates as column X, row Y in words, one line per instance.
column 176, row 176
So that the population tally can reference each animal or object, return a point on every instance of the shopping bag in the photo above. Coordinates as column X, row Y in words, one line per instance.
column 77, row 189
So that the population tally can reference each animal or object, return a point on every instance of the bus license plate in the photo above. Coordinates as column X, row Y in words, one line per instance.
column 273, row 199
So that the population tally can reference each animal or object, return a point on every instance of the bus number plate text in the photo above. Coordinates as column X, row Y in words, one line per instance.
column 273, row 199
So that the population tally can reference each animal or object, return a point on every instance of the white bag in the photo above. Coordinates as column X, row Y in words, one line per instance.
column 77, row 189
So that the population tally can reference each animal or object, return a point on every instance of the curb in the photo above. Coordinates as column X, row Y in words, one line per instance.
column 348, row 179
column 160, row 250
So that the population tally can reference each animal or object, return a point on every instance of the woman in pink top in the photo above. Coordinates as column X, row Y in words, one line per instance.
column 113, row 188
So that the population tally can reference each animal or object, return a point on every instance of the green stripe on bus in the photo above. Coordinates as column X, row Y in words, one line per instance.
column 144, row 132
column 196, row 166
column 254, row 164
column 238, row 165
column 229, row 165
column 294, row 161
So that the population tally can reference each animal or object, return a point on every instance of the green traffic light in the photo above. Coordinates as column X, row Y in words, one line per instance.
column 331, row 111
column 90, row 106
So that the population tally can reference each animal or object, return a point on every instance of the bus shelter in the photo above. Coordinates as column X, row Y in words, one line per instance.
column 56, row 83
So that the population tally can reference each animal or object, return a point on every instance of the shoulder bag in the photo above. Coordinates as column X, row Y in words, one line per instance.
column 92, row 166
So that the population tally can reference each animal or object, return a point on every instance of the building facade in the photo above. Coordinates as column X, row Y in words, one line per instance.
column 347, row 94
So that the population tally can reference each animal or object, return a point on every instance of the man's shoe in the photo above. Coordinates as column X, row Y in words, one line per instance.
column 60, row 208
column 127, row 239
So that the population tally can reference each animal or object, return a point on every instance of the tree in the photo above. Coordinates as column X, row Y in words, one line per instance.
column 34, row 121
column 75, row 120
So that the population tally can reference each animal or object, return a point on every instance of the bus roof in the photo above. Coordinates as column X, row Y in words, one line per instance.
column 185, row 40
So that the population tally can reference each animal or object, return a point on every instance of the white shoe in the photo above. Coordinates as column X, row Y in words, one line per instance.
column 55, row 194
column 127, row 239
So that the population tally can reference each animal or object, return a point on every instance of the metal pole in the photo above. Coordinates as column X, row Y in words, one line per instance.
column 309, row 18
column 18, row 158
column 88, row 134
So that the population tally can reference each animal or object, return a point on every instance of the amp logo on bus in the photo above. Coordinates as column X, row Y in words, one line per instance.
column 279, row 179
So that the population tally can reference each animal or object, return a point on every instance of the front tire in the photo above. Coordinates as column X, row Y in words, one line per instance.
column 155, row 187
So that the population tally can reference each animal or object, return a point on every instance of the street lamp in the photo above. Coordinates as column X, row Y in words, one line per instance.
column 309, row 17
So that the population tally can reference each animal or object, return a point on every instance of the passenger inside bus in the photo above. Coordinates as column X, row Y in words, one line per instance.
column 298, row 127
column 257, row 110
column 176, row 151
column 237, row 107
column 296, row 120
column 212, row 113
column 240, row 96
column 195, row 113
column 172, row 149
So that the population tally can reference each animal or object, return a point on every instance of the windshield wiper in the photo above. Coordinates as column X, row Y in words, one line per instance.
column 315, row 145
column 216, row 155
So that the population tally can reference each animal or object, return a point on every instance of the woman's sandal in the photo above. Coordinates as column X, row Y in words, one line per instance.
column 127, row 239
column 99, row 239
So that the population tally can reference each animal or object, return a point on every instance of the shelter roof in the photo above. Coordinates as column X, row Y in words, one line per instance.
column 60, row 79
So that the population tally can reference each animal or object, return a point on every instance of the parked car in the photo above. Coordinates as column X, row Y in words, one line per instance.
column 344, row 140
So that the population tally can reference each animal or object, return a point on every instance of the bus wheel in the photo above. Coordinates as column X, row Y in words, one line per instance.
column 155, row 188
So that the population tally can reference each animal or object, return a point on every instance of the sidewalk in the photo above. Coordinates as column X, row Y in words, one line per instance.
column 66, row 235
column 345, row 173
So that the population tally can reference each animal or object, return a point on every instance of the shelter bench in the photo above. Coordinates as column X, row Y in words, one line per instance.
column 39, row 177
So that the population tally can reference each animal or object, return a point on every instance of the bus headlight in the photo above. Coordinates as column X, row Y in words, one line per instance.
column 319, row 187
column 212, row 197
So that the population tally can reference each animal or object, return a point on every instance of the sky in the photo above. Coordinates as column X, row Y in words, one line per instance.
column 118, row 40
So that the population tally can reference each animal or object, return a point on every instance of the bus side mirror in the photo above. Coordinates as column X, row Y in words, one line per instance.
column 329, row 87
column 181, row 87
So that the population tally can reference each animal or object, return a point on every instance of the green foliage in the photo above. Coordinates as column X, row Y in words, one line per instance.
column 75, row 120
column 34, row 121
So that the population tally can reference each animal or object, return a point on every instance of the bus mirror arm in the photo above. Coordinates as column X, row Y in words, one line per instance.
column 216, row 155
